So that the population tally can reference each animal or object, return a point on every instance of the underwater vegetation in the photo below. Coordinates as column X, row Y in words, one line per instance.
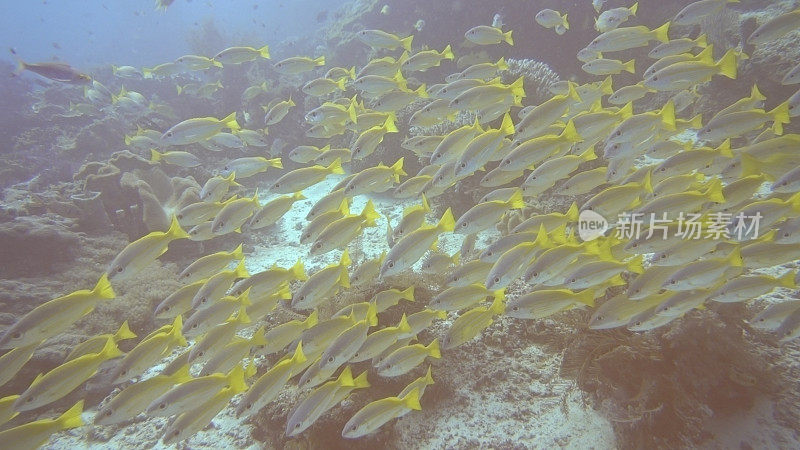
column 441, row 224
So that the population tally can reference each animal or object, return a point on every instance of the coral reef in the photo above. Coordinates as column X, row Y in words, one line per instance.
column 137, row 196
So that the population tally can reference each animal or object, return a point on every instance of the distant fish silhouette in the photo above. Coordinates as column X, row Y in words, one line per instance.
column 53, row 70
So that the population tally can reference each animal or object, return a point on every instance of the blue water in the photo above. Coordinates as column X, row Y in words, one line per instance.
column 88, row 33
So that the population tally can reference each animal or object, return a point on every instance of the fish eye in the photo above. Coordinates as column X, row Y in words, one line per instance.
column 391, row 264
column 331, row 359
column 515, row 308
column 536, row 274
column 194, row 325
column 169, row 134
column 162, row 406
column 572, row 280
column 109, row 412
column 120, row 269
column 496, row 279
column 16, row 335
column 29, row 399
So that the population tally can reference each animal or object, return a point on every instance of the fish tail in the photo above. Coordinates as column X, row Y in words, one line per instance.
column 422, row 91
column 71, row 417
column 411, row 400
column 570, row 134
column 516, row 201
column 240, row 271
column 701, row 41
column 498, row 305
column 299, row 271
column 175, row 231
column 124, row 332
column 237, row 253
column 433, row 349
column 518, row 88
column 565, row 22
column 667, row 114
column 236, row 379
column 103, row 288
column 588, row 155
column 397, row 169
column 369, row 214
column 714, row 191
column 361, row 381
column 389, row 124
column 572, row 212
column 447, row 222
column 345, row 260
column 230, row 121
column 299, row 356
column 727, row 64
column 406, row 42
column 311, row 320
column 155, row 156
column 336, row 166
column 507, row 126
column 724, row 149
column 630, row 66
column 501, row 64
column 787, row 280
column 780, row 116
column 408, row 293
column 507, row 37
column 264, row 52
column 662, row 33
column 320, row 61
column 586, row 297
column 110, row 350
column 447, row 53
column 634, row 8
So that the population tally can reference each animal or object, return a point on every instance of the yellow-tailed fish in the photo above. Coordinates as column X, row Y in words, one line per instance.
column 612, row 18
column 378, row 39
column 275, row 113
column 404, row 359
column 704, row 272
column 318, row 285
column 148, row 352
column 95, row 344
column 486, row 35
column 134, row 399
column 341, row 232
column 470, row 324
column 216, row 187
column 626, row 38
column 182, row 159
column 209, row 265
column 304, row 177
column 62, row 380
column 375, row 414
column 36, row 434
column 235, row 214
column 195, row 130
column 272, row 211
column 53, row 317
column 775, row 28
column 144, row 251
column 542, row 303
column 298, row 64
column 267, row 387
column 411, row 247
